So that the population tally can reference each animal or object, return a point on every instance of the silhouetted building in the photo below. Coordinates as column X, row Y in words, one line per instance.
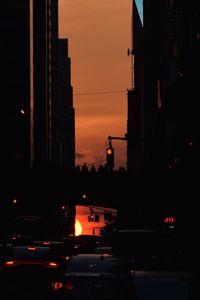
column 151, row 50
column 37, row 115
column 29, row 32
column 166, row 70
column 64, row 127
column 135, row 126
column 45, row 36
column 14, row 83
column 163, row 114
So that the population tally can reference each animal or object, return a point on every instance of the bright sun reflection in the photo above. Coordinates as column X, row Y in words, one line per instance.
column 78, row 227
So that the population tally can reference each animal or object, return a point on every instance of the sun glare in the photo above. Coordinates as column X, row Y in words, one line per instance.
column 78, row 227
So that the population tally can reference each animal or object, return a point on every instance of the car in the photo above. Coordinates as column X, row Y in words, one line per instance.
column 29, row 268
column 96, row 276
column 85, row 243
column 27, row 228
column 150, row 249
column 103, row 250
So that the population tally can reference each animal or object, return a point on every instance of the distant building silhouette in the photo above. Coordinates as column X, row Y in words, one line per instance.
column 64, row 129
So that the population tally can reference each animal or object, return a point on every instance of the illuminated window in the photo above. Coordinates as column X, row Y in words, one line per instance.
column 93, row 218
column 158, row 95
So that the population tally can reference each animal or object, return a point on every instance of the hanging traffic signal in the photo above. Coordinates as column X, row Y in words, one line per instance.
column 14, row 201
column 110, row 157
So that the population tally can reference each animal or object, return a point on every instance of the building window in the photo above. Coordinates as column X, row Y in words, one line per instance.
column 93, row 218
column 158, row 95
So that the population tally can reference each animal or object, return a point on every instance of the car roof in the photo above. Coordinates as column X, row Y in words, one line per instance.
column 30, row 252
column 142, row 230
column 145, row 232
column 97, row 257
column 144, row 241
column 96, row 262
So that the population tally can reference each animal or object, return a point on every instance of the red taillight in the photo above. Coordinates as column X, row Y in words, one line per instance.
column 32, row 248
column 69, row 286
column 53, row 265
column 9, row 263
column 57, row 285
column 47, row 264
column 46, row 243
column 64, row 257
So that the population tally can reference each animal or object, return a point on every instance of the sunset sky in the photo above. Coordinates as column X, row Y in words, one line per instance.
column 99, row 34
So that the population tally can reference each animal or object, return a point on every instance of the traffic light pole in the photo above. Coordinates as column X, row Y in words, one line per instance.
column 110, row 150
column 117, row 138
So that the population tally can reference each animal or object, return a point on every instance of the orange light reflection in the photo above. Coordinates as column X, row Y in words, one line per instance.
column 78, row 227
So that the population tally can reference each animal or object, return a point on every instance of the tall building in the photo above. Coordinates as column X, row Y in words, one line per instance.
column 64, row 126
column 135, row 124
column 45, row 36
column 163, row 115
column 37, row 116
column 14, row 83
column 163, row 103
column 29, row 36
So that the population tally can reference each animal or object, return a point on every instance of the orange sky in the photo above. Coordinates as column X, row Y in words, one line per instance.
column 98, row 33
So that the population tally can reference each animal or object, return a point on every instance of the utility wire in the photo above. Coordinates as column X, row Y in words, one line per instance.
column 99, row 93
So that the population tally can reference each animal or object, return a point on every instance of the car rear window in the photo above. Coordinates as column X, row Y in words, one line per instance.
column 31, row 252
column 99, row 263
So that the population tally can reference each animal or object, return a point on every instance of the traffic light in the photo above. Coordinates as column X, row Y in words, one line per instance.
column 110, row 157
column 14, row 201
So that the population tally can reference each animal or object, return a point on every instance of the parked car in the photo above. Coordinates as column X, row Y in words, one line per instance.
column 96, row 276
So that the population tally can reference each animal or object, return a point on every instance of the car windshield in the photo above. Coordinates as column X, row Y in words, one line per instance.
column 30, row 252
column 144, row 242
column 32, row 226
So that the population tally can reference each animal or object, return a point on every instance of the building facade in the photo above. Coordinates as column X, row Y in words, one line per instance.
column 14, row 82
column 64, row 129
column 45, row 36
column 166, row 80
column 32, row 87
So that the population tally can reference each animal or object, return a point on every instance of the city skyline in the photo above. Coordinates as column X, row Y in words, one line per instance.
column 99, row 35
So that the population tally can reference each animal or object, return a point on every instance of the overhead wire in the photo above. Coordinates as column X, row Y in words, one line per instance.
column 100, row 93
